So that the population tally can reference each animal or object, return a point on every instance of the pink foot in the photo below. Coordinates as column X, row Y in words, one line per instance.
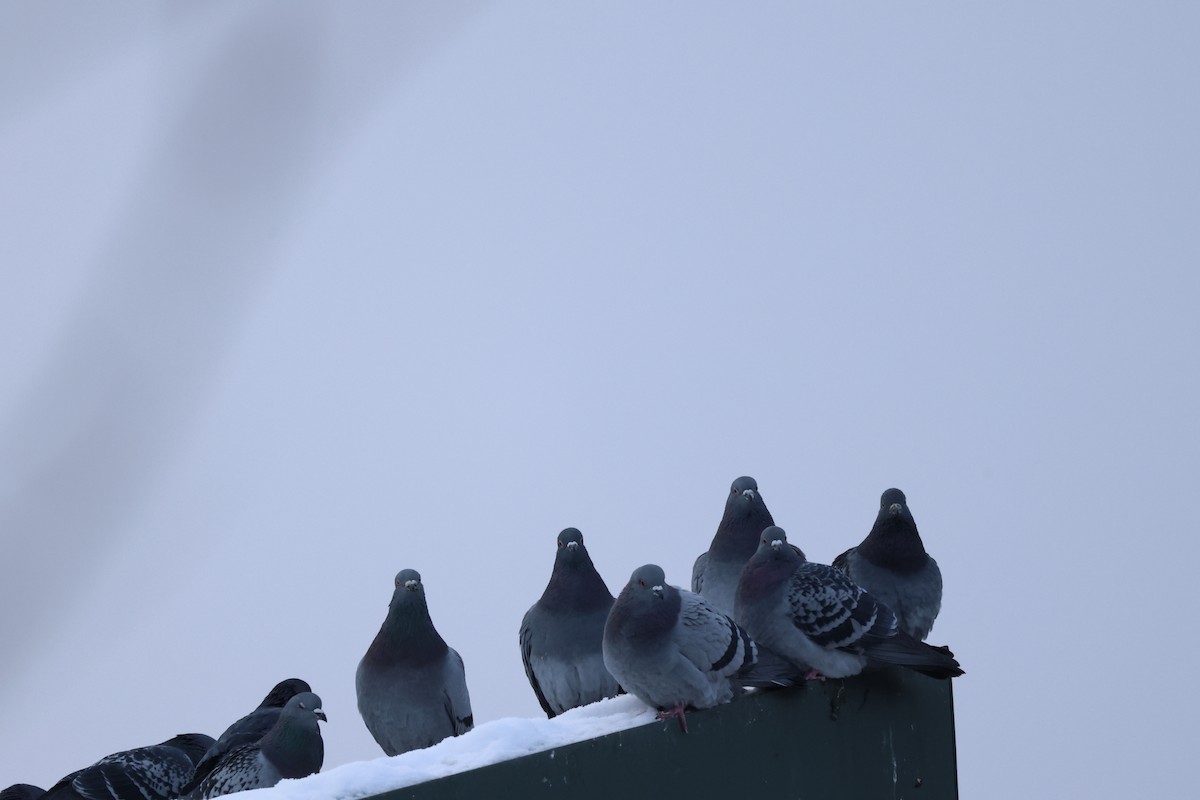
column 813, row 675
column 676, row 712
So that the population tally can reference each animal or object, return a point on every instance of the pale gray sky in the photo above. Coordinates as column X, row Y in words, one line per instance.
column 295, row 296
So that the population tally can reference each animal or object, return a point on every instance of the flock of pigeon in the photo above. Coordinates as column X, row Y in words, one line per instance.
column 759, row 615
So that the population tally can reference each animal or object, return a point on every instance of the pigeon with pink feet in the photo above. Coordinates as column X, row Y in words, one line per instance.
column 819, row 619
column 672, row 650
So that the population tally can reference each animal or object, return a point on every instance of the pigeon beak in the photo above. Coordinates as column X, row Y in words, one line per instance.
column 321, row 715
column 748, row 493
column 411, row 585
column 776, row 544
column 572, row 545
column 895, row 508
column 657, row 591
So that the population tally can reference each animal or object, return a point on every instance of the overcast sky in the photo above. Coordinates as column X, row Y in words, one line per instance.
column 296, row 296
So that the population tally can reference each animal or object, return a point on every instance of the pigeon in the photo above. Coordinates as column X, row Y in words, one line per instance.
column 156, row 772
column 561, row 634
column 817, row 617
column 249, row 729
column 673, row 650
column 292, row 748
column 22, row 791
column 891, row 564
column 412, row 689
column 716, row 572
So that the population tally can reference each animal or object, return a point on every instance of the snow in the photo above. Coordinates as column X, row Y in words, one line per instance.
column 490, row 743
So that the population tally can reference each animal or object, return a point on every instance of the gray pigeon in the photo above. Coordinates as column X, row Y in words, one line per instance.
column 673, row 650
column 157, row 772
column 412, row 689
column 249, row 729
column 292, row 748
column 22, row 791
column 891, row 564
column 562, row 632
column 817, row 617
column 716, row 572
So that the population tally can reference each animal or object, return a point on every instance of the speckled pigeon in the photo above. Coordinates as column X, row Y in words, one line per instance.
column 412, row 688
column 156, row 772
column 292, row 748
column 673, row 650
column 562, row 632
column 817, row 617
column 250, row 728
column 891, row 564
column 716, row 572
column 22, row 791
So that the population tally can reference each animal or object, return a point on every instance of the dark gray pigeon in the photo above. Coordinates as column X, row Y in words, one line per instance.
column 818, row 618
column 716, row 572
column 292, row 748
column 412, row 688
column 22, row 791
column 673, row 650
column 249, row 729
column 562, row 633
column 156, row 772
column 891, row 564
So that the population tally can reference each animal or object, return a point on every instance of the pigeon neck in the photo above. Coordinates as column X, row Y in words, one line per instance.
column 646, row 618
column 576, row 586
column 740, row 531
column 764, row 573
column 407, row 635
column 894, row 543
column 294, row 746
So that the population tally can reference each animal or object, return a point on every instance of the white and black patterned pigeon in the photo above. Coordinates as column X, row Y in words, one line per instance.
column 292, row 748
column 22, row 791
column 412, row 688
column 891, row 564
column 249, row 729
column 817, row 617
column 156, row 772
column 716, row 572
column 562, row 633
column 672, row 650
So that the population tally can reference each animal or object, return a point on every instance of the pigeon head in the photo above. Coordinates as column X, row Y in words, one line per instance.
column 574, row 582
column 893, row 502
column 284, row 691
column 570, row 544
column 773, row 544
column 409, row 592
column 894, row 513
column 409, row 580
column 294, row 745
column 894, row 539
column 745, row 516
column 649, row 579
column 305, row 705
column 646, row 608
column 744, row 486
column 769, row 567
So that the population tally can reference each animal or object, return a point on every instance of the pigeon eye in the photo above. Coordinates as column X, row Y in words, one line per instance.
column 641, row 583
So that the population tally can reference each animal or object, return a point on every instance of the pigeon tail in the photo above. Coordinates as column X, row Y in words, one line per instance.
column 770, row 671
column 905, row 651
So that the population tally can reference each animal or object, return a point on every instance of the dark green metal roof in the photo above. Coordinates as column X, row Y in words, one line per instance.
column 886, row 735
